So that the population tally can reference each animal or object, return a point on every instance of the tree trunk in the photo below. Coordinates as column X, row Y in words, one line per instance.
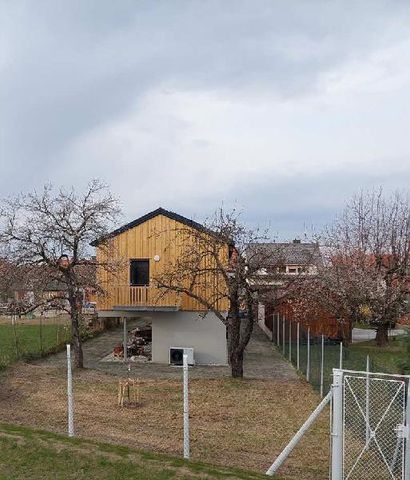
column 347, row 337
column 239, row 333
column 234, row 355
column 382, row 335
column 77, row 344
column 237, row 364
column 75, row 313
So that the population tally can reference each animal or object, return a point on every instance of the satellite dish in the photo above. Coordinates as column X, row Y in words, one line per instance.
column 156, row 258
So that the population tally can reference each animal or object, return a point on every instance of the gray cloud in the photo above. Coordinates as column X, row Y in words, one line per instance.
column 282, row 107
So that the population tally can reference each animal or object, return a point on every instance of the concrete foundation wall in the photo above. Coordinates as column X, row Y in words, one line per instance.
column 206, row 335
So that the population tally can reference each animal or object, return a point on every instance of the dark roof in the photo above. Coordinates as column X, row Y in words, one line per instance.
column 149, row 216
column 294, row 253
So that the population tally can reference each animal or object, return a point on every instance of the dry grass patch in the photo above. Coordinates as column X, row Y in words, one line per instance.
column 233, row 423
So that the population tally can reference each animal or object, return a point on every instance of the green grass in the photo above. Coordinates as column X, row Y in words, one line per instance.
column 382, row 359
column 27, row 454
column 30, row 341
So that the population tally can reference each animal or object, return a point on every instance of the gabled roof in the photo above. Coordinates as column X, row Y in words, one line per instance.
column 149, row 216
column 294, row 253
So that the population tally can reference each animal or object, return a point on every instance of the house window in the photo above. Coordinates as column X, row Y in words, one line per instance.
column 139, row 272
column 292, row 270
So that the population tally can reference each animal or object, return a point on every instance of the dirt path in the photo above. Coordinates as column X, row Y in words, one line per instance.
column 262, row 361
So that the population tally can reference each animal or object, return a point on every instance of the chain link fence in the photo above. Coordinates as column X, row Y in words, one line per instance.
column 29, row 337
column 315, row 355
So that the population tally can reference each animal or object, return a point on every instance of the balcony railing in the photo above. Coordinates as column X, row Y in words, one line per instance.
column 126, row 295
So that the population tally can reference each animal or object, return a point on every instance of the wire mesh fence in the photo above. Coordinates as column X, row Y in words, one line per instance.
column 315, row 355
column 29, row 337
column 374, row 408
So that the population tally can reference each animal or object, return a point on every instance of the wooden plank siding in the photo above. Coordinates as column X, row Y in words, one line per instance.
column 156, row 236
column 318, row 320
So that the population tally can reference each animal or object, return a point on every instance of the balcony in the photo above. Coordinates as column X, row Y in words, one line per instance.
column 144, row 299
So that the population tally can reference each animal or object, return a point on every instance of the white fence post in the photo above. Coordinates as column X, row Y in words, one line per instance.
column 337, row 424
column 70, row 402
column 367, row 398
column 297, row 347
column 125, row 339
column 308, row 356
column 290, row 340
column 186, row 407
column 322, row 361
column 407, row 444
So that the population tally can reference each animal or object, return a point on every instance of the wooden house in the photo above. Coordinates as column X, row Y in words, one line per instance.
column 145, row 248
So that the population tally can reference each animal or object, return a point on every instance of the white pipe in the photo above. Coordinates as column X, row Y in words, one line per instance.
column 70, row 402
column 303, row 429
column 186, row 407
column 378, row 374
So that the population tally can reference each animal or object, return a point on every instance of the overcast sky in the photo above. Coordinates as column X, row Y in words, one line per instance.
column 282, row 108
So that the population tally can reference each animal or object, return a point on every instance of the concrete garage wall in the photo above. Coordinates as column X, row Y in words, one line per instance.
column 206, row 335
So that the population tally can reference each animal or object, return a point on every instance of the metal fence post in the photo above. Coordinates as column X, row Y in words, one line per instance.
column 70, row 402
column 41, row 335
column 283, row 336
column 407, row 445
column 277, row 330
column 322, row 361
column 290, row 340
column 124, row 342
column 186, row 407
column 16, row 342
column 367, row 398
column 298, row 346
column 341, row 356
column 308, row 356
column 337, row 424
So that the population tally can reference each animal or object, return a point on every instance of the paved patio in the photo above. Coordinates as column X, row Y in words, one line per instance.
column 262, row 361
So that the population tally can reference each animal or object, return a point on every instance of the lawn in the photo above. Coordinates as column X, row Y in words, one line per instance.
column 239, row 424
column 30, row 339
column 27, row 454
column 387, row 359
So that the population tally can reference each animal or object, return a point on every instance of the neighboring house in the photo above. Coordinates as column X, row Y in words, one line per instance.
column 288, row 260
column 146, row 247
column 28, row 289
column 286, row 264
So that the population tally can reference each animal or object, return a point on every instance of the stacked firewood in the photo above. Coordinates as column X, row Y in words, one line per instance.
column 139, row 344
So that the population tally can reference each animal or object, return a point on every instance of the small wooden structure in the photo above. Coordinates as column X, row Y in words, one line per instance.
column 128, row 390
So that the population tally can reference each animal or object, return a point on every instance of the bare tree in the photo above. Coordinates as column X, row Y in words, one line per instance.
column 215, row 267
column 48, row 234
column 367, row 273
column 20, row 287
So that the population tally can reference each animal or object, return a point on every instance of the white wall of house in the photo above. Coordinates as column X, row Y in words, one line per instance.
column 261, row 320
column 206, row 335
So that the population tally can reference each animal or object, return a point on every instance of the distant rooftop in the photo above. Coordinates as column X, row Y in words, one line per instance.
column 293, row 253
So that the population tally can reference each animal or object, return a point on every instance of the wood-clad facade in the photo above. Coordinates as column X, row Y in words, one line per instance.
column 154, row 241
